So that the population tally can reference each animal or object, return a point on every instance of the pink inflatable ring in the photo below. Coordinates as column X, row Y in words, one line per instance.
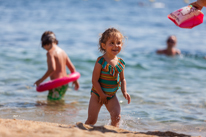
column 58, row 82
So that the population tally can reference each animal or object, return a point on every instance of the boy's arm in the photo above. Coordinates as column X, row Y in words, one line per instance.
column 72, row 69
column 70, row 65
column 159, row 51
column 123, row 87
column 95, row 82
column 51, row 67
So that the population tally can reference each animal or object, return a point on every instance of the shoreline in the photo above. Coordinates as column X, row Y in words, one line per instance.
column 21, row 128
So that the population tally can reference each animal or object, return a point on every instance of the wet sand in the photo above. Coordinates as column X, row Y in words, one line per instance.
column 23, row 128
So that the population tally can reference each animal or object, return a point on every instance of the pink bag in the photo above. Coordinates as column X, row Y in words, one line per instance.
column 187, row 17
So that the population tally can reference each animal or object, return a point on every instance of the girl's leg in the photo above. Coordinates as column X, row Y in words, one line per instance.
column 93, row 110
column 114, row 109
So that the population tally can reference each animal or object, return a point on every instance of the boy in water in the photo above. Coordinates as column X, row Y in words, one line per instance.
column 57, row 60
column 170, row 50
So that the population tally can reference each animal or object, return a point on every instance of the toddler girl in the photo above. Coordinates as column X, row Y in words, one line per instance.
column 108, row 75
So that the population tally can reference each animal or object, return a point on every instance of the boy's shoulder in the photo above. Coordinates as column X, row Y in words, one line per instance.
column 56, row 52
column 49, row 54
column 178, row 51
column 161, row 51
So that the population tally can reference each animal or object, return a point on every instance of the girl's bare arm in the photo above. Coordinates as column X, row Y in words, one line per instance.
column 95, row 82
column 123, row 87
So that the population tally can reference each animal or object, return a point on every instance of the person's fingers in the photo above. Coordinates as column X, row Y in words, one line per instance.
column 125, row 96
column 36, row 83
column 76, row 87
column 109, row 96
column 129, row 99
column 103, row 101
column 106, row 101
column 196, row 5
column 99, row 101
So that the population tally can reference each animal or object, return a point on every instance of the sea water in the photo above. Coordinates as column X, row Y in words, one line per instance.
column 168, row 93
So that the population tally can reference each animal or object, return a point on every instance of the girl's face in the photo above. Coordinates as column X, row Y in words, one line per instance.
column 113, row 45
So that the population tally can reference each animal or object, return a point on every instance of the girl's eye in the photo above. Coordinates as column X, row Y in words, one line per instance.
column 112, row 42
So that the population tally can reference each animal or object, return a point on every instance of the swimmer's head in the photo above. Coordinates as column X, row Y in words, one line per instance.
column 171, row 41
column 48, row 37
column 110, row 33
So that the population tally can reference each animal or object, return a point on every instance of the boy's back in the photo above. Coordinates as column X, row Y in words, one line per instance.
column 59, row 60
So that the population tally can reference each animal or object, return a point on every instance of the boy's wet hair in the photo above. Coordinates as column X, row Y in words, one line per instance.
column 48, row 37
column 106, row 35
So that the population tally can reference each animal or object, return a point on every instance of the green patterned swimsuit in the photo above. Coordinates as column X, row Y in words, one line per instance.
column 57, row 93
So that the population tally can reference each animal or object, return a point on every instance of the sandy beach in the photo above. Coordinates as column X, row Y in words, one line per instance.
column 23, row 128
column 167, row 92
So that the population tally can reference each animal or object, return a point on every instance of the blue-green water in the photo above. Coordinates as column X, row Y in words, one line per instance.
column 168, row 93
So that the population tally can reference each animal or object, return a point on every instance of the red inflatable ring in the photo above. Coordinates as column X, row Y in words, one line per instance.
column 58, row 82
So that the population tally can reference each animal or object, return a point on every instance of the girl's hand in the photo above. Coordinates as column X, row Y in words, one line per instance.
column 76, row 85
column 127, row 97
column 103, row 99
